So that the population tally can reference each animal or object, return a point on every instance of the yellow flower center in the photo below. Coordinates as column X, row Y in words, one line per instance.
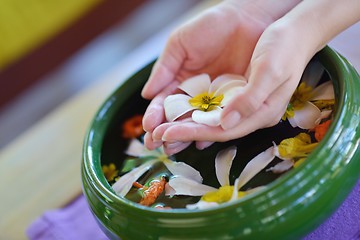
column 206, row 101
column 223, row 194
column 296, row 147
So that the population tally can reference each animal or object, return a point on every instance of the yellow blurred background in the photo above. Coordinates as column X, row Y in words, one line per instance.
column 25, row 25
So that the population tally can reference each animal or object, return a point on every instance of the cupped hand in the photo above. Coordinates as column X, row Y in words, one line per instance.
column 221, row 40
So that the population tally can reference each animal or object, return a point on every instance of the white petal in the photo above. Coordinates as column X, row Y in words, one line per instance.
column 176, row 105
column 223, row 80
column 312, row 73
column 324, row 91
column 125, row 182
column 230, row 94
column 255, row 166
column 306, row 117
column 292, row 122
column 184, row 170
column 188, row 187
column 196, row 85
column 201, row 205
column 169, row 191
column 210, row 118
column 323, row 114
column 250, row 191
column 223, row 162
column 235, row 193
column 136, row 149
column 282, row 166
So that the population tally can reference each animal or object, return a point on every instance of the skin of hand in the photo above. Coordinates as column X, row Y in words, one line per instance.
column 221, row 40
column 271, row 49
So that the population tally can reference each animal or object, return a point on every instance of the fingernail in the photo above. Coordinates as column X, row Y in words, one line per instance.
column 203, row 145
column 230, row 120
column 174, row 145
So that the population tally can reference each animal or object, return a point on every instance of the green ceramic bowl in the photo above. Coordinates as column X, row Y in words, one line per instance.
column 288, row 208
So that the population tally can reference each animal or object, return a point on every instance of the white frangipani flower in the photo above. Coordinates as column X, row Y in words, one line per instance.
column 204, row 98
column 223, row 161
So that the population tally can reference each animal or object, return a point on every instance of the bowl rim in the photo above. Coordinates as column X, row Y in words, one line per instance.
column 92, row 150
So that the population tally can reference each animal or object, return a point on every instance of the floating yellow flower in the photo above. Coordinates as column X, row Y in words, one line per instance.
column 293, row 151
column 297, row 147
column 310, row 103
column 110, row 171
column 205, row 98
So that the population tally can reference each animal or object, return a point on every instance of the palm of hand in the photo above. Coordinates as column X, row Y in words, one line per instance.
column 217, row 42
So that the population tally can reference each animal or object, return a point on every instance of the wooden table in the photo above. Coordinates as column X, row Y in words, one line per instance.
column 40, row 170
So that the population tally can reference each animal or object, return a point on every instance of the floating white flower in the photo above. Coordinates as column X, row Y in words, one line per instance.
column 123, row 185
column 211, row 196
column 310, row 104
column 205, row 98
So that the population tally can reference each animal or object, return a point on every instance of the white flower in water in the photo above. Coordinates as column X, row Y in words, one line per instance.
column 310, row 104
column 205, row 98
column 123, row 185
column 223, row 161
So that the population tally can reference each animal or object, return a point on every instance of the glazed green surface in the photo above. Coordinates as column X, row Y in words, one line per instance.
column 288, row 208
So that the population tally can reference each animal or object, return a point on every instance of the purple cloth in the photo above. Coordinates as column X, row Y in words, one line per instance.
column 75, row 221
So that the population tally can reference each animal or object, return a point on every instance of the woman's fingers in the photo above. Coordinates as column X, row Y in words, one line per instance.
column 275, row 62
column 166, row 67
column 267, row 115
column 154, row 114
column 171, row 148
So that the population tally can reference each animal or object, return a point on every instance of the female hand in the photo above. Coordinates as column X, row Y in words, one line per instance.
column 221, row 40
column 278, row 59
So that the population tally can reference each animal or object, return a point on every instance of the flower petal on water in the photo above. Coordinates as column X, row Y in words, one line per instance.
column 223, row 162
column 176, row 105
column 324, row 114
column 169, row 191
column 184, row 170
column 125, row 182
column 306, row 117
column 196, row 85
column 255, row 165
column 136, row 149
column 282, row 166
column 324, row 91
column 188, row 187
column 210, row 118
column 201, row 205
